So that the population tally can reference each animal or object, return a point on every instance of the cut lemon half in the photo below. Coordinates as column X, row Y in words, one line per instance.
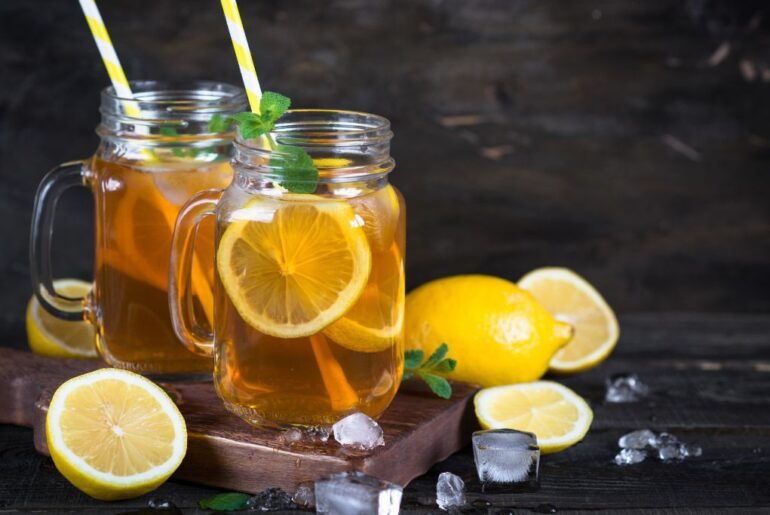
column 557, row 415
column 114, row 434
column 51, row 336
column 376, row 320
column 292, row 267
column 571, row 299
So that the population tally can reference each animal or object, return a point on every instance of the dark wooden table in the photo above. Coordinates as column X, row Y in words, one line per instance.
column 710, row 381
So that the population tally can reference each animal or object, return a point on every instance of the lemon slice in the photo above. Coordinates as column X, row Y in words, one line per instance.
column 114, row 434
column 376, row 320
column 571, row 299
column 292, row 267
column 51, row 336
column 380, row 212
column 557, row 415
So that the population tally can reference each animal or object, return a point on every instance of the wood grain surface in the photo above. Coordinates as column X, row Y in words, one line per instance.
column 226, row 452
column 710, row 384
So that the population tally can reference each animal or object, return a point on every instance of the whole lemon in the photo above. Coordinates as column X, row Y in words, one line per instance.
column 498, row 333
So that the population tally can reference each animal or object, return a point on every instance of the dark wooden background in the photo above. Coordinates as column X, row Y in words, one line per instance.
column 608, row 136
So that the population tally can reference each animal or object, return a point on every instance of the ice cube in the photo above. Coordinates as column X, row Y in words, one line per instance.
column 664, row 440
column 272, row 499
column 161, row 503
column 630, row 457
column 689, row 449
column 450, row 491
column 316, row 433
column 625, row 388
column 637, row 439
column 506, row 456
column 358, row 431
column 354, row 493
column 304, row 497
column 290, row 436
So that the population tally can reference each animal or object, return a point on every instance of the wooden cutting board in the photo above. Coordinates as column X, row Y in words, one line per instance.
column 226, row 452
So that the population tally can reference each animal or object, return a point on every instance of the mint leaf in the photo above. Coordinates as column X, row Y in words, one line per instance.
column 446, row 366
column 299, row 173
column 437, row 384
column 436, row 364
column 272, row 106
column 170, row 131
column 413, row 358
column 219, row 123
column 438, row 355
column 294, row 167
column 231, row 501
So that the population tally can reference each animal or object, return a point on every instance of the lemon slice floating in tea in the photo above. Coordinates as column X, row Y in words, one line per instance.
column 51, row 336
column 291, row 267
column 114, row 434
column 372, row 324
column 557, row 415
column 571, row 299
column 380, row 211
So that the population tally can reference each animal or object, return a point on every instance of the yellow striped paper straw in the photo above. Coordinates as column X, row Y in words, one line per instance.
column 109, row 56
column 242, row 53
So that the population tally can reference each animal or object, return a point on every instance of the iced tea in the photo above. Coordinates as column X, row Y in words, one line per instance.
column 354, row 363
column 138, row 203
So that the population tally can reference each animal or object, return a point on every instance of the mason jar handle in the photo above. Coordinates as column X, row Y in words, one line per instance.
column 180, row 285
column 56, row 182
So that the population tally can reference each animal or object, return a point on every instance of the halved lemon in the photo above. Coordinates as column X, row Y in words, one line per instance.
column 51, row 336
column 114, row 434
column 571, row 299
column 557, row 415
column 380, row 213
column 376, row 320
column 292, row 267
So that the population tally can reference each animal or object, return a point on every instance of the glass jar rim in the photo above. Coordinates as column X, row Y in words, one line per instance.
column 351, row 145
column 174, row 98
column 324, row 127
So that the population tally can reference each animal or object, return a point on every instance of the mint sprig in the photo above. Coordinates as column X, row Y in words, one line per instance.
column 231, row 501
column 293, row 165
column 437, row 363
column 252, row 125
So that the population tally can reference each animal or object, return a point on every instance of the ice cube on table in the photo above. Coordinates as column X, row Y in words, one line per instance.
column 450, row 491
column 304, row 496
column 358, row 431
column 506, row 456
column 354, row 493
column 625, row 388
column 691, row 450
column 630, row 457
column 637, row 440
column 664, row 440
column 272, row 499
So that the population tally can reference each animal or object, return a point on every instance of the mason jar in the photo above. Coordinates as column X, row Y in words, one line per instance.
column 309, row 288
column 156, row 152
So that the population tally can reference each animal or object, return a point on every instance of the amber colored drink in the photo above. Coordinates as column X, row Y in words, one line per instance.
column 353, row 364
column 137, row 204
